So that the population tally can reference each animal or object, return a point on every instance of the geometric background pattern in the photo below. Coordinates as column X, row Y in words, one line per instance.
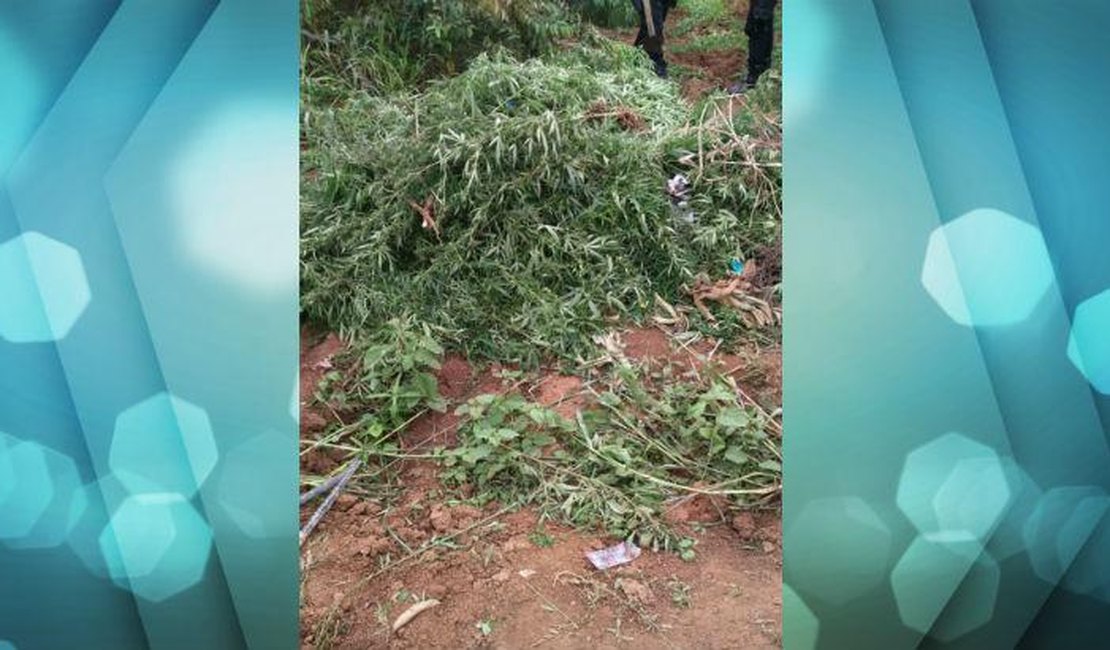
column 148, row 324
column 948, row 330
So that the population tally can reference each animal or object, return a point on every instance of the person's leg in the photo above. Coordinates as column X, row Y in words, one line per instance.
column 760, row 29
column 659, row 12
column 659, row 15
column 642, row 34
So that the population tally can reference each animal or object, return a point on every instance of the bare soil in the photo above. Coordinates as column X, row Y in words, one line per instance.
column 506, row 580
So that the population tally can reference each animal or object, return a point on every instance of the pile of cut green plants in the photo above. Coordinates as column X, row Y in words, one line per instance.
column 519, row 209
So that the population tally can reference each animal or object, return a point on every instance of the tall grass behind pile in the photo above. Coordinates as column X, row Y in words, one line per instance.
column 382, row 46
column 605, row 13
column 545, row 181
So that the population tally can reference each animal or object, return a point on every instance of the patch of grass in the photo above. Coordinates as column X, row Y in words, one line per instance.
column 330, row 628
column 686, row 549
column 541, row 538
column 595, row 591
column 700, row 13
column 386, row 375
column 606, row 13
column 731, row 39
column 680, row 593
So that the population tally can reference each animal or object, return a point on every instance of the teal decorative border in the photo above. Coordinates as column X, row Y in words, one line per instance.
column 948, row 328
column 148, row 324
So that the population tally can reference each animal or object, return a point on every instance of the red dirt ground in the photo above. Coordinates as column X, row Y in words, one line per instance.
column 499, row 582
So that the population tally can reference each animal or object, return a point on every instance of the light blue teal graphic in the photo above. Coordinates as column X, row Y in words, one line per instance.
column 945, row 162
column 156, row 545
column 148, row 324
column 1089, row 573
column 22, row 92
column 1089, row 343
column 45, row 289
column 987, row 268
column 38, row 472
column 227, row 184
column 842, row 574
column 102, row 498
column 27, row 490
column 246, row 496
column 1008, row 537
column 939, row 477
column 163, row 444
column 803, row 624
column 945, row 584
column 1062, row 522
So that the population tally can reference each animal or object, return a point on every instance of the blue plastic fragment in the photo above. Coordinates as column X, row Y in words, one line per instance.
column 736, row 266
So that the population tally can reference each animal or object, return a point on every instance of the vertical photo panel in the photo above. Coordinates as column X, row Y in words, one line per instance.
column 541, row 311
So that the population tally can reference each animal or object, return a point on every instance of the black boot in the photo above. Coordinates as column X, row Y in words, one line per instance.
column 742, row 86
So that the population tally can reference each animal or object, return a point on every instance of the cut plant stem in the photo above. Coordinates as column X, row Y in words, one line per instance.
column 344, row 478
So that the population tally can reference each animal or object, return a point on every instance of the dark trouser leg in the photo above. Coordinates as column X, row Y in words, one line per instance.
column 760, row 28
column 659, row 13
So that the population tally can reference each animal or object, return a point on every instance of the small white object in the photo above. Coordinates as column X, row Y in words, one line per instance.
column 607, row 558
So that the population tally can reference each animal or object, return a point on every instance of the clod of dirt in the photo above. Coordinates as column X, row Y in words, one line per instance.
column 701, row 508
column 560, row 392
column 315, row 362
column 364, row 508
column 769, row 259
column 373, row 546
column 312, row 421
column 440, row 518
column 436, row 591
column 646, row 344
column 636, row 590
column 454, row 377
column 628, row 119
column 518, row 543
column 744, row 525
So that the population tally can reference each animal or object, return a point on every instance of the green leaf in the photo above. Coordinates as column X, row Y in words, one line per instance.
column 374, row 355
column 736, row 455
column 771, row 466
column 427, row 385
column 474, row 454
column 732, row 418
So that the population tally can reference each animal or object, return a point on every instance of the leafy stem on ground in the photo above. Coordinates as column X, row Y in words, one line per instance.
column 623, row 462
